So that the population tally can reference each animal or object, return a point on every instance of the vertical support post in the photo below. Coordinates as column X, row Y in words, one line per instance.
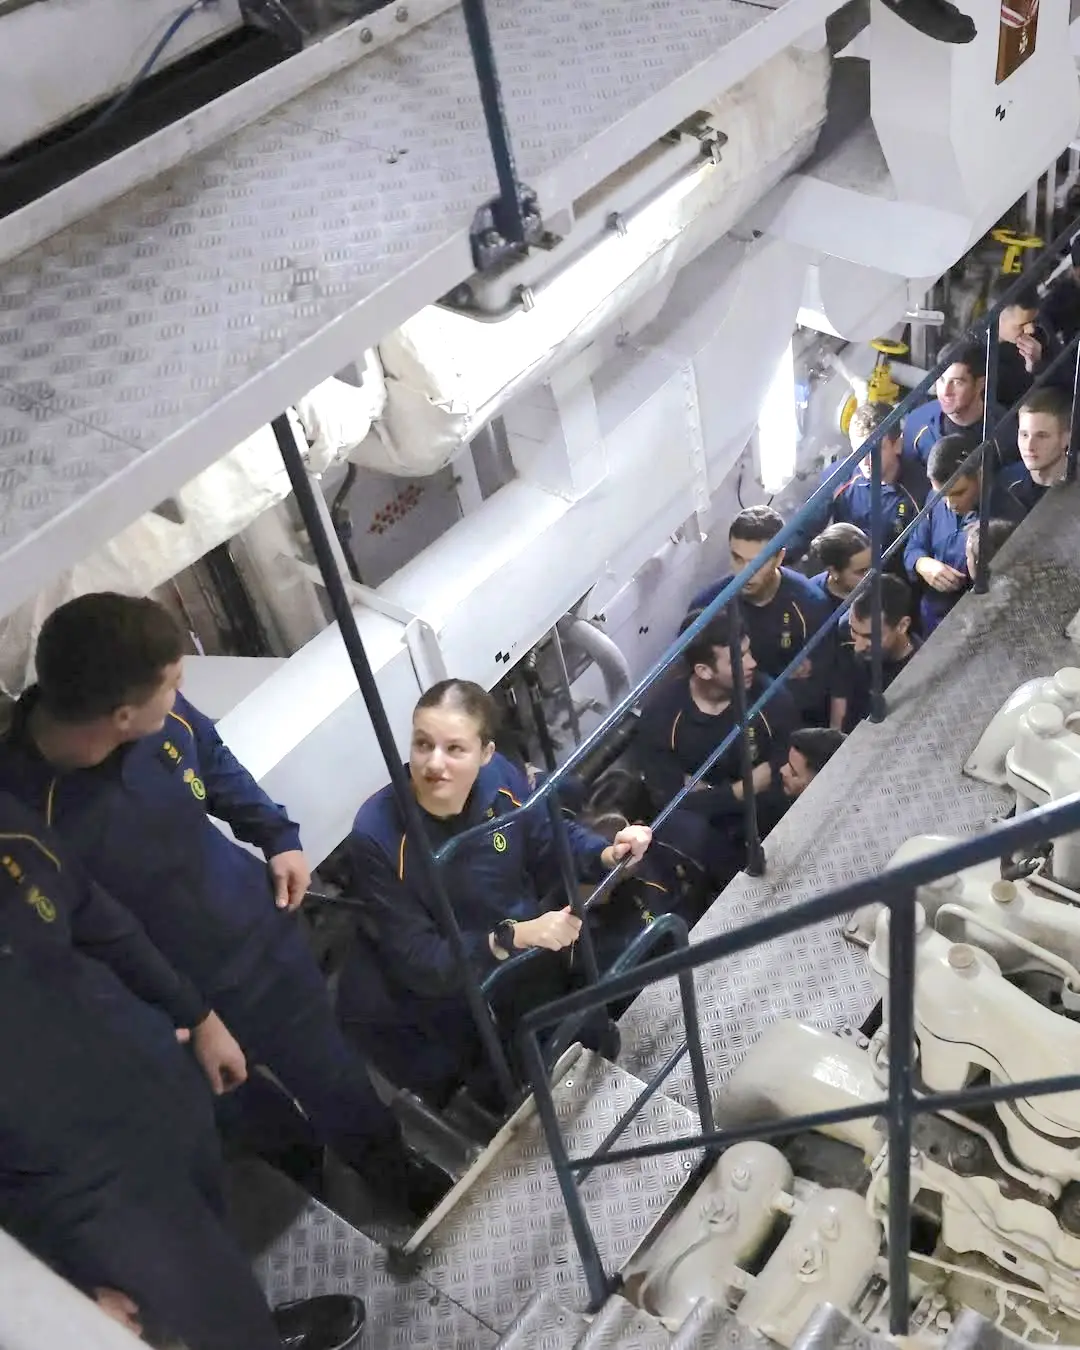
column 755, row 854
column 698, row 1070
column 591, row 1261
column 511, row 217
column 1074, row 430
column 568, row 872
column 564, row 676
column 989, row 461
column 901, row 1013
column 365, row 678
column 877, row 547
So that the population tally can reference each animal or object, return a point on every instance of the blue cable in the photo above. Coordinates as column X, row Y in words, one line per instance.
column 148, row 65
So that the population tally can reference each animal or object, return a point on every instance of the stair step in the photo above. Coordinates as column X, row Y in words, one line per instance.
column 545, row 1323
column 507, row 1236
column 619, row 1323
column 712, row 1325
column 321, row 1254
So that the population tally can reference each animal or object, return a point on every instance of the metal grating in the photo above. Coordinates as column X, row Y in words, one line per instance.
column 619, row 1323
column 321, row 1254
column 176, row 320
column 855, row 816
column 544, row 1324
column 509, row 1238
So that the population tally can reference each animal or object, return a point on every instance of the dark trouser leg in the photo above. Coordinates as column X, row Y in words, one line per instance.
column 283, row 1018
column 160, row 1244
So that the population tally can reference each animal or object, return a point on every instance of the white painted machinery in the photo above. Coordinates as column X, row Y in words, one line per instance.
column 996, row 1194
column 1032, row 747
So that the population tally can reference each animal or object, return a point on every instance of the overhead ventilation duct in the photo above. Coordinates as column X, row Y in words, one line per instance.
column 448, row 373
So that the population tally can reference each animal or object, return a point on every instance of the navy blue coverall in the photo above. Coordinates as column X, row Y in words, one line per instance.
column 850, row 505
column 673, row 741
column 1016, row 492
column 109, row 1163
column 141, row 825
column 940, row 535
column 780, row 629
column 400, row 990
column 924, row 427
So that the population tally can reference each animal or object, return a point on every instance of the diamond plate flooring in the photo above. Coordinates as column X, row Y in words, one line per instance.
column 321, row 1254
column 509, row 1237
column 888, row 783
column 170, row 324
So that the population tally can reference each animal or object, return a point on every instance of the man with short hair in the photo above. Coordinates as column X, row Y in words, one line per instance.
column 851, row 686
column 1045, row 422
column 958, row 409
column 810, row 750
column 781, row 610
column 936, row 550
column 903, row 486
column 129, row 774
column 682, row 726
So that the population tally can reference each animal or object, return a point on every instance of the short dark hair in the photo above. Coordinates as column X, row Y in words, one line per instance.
column 1051, row 400
column 895, row 601
column 102, row 651
column 1027, row 297
column 951, row 454
column 997, row 531
column 971, row 355
column 837, row 544
column 716, row 633
column 817, row 745
column 469, row 698
column 866, row 419
column 756, row 524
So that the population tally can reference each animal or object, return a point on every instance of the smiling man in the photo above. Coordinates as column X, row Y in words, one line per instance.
column 131, row 776
column 958, row 409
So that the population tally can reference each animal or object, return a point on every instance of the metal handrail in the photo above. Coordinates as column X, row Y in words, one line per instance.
column 838, row 475
column 894, row 888
column 544, row 797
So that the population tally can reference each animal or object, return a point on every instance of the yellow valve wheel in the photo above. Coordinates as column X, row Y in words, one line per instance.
column 881, row 387
column 1015, row 245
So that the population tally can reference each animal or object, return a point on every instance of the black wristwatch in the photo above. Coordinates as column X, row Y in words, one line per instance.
column 503, row 934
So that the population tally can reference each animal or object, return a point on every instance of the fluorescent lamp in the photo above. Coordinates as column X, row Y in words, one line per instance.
column 777, row 429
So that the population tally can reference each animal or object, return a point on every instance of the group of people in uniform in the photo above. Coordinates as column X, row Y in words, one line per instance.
column 162, row 991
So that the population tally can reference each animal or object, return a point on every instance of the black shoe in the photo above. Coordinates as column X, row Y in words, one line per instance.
column 331, row 1322
column 937, row 19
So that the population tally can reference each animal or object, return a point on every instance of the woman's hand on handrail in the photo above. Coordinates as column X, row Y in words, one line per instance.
column 554, row 930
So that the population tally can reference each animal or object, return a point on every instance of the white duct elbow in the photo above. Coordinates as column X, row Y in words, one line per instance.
column 599, row 647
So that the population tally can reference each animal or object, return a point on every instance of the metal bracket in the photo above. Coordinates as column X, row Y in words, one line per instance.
column 358, row 595
column 489, row 235
column 699, row 128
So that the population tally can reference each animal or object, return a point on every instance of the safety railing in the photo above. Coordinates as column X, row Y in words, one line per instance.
column 545, row 797
column 894, row 888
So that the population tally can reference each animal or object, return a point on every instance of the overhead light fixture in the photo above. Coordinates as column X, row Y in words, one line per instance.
column 777, row 429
